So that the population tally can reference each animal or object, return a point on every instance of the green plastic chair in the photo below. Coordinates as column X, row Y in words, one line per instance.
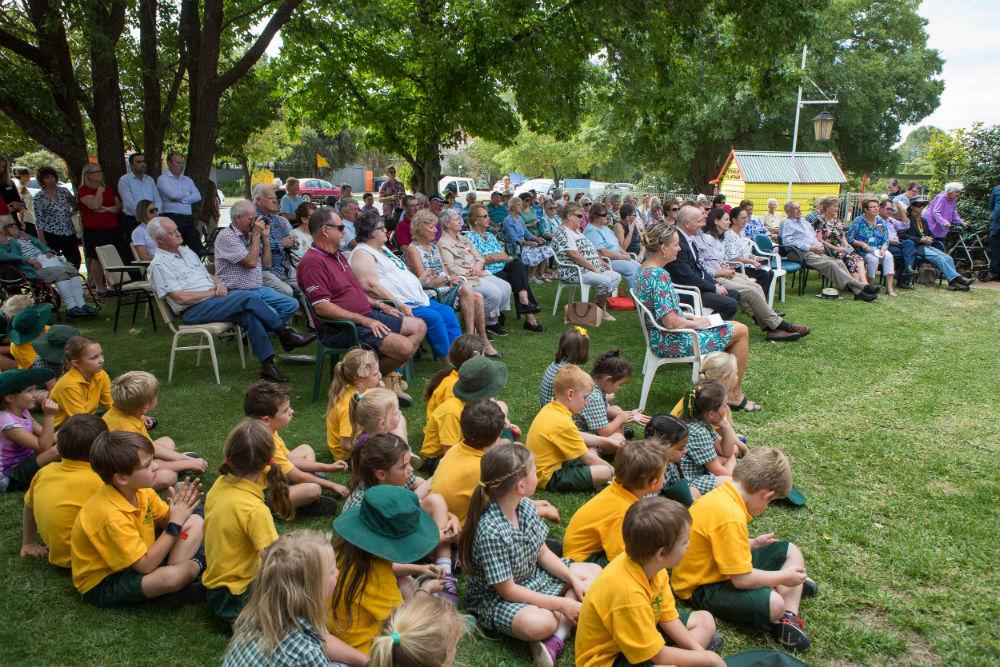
column 322, row 351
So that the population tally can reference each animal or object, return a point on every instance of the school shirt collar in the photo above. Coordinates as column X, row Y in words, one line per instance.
column 731, row 490
column 471, row 451
column 120, row 502
column 635, row 571
column 76, row 376
column 562, row 408
column 245, row 485
column 72, row 464
column 620, row 491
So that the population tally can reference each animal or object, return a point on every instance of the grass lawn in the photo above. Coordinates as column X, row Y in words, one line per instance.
column 888, row 412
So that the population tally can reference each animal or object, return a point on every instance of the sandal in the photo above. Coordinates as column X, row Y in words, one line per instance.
column 746, row 406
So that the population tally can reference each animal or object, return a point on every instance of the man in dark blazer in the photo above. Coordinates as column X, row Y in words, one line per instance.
column 686, row 271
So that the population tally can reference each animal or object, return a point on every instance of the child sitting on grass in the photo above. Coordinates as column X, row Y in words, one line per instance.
column 238, row 524
column 283, row 621
column 594, row 534
column 85, row 386
column 356, row 373
column 710, row 456
column 442, row 384
column 12, row 305
column 721, row 367
column 271, row 403
column 422, row 632
column 133, row 395
column 377, row 411
column 116, row 558
column 27, row 322
column 672, row 433
column 564, row 461
column 758, row 582
column 59, row 490
column 387, row 527
column 50, row 349
column 25, row 445
column 610, row 373
column 516, row 586
column 629, row 615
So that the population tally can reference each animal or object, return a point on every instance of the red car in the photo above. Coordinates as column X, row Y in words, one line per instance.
column 316, row 189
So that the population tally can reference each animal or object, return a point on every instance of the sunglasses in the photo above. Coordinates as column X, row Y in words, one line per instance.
column 339, row 228
column 673, row 209
column 152, row 210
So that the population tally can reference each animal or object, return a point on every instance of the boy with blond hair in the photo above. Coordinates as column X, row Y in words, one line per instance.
column 629, row 616
column 562, row 459
column 756, row 581
column 133, row 395
column 594, row 534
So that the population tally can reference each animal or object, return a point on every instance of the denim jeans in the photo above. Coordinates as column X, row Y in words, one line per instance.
column 244, row 308
column 442, row 325
column 995, row 248
column 941, row 260
column 905, row 254
column 284, row 306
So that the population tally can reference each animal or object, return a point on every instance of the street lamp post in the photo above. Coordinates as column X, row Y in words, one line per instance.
column 822, row 124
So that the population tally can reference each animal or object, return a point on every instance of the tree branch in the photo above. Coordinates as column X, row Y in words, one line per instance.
column 247, row 14
column 22, row 48
column 253, row 54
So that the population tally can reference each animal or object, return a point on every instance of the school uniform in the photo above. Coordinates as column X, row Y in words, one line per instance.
column 372, row 607
column 557, row 445
column 338, row 425
column 444, row 391
column 56, row 494
column 76, row 394
column 117, row 420
column 456, row 478
column 443, row 430
column 594, row 534
column 700, row 450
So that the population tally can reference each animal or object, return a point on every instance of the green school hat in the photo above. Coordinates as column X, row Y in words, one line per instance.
column 480, row 377
column 29, row 323
column 50, row 345
column 390, row 524
column 795, row 498
column 763, row 658
column 17, row 380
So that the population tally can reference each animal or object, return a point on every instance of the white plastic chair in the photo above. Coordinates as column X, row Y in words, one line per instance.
column 652, row 362
column 206, row 338
column 584, row 289
column 779, row 273
column 697, row 307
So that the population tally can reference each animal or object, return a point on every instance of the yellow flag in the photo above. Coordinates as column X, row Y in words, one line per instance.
column 321, row 161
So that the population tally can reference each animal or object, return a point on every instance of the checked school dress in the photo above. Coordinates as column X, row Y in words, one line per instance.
column 700, row 450
column 654, row 289
column 504, row 552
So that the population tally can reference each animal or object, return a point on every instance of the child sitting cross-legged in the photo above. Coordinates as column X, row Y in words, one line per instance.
column 238, row 523
column 271, row 403
column 672, row 433
column 387, row 527
column 594, row 534
column 85, row 386
column 760, row 581
column 283, row 621
column 133, row 396
column 422, row 632
column 629, row 616
column 116, row 556
column 610, row 373
column 356, row 373
column 723, row 368
column 59, row 490
column 564, row 461
column 711, row 455
column 516, row 585
column 25, row 445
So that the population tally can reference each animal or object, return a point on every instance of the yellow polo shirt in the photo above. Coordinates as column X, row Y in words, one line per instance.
column 24, row 353
column 443, row 429
column 120, row 421
column 597, row 525
column 280, row 460
column 554, row 439
column 456, row 477
column 56, row 494
column 444, row 391
column 237, row 526
column 338, row 425
column 76, row 394
column 110, row 534
column 720, row 541
column 372, row 607
column 620, row 615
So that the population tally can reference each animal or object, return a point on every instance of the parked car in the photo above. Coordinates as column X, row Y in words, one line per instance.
column 543, row 185
column 34, row 189
column 460, row 185
column 317, row 189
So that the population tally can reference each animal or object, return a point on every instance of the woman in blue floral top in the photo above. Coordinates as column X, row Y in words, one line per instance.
column 656, row 292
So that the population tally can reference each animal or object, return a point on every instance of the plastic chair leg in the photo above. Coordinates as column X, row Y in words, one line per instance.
column 318, row 371
column 647, row 384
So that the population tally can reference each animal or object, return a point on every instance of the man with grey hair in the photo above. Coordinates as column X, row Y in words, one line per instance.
column 178, row 192
column 349, row 212
column 179, row 277
column 279, row 274
column 797, row 232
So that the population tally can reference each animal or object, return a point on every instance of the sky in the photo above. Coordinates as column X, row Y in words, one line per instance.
column 967, row 33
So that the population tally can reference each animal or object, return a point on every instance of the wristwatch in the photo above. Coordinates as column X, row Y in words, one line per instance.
column 173, row 529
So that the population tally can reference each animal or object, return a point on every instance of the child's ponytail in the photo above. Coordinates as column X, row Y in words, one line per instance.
column 705, row 396
column 366, row 410
column 278, row 493
column 613, row 365
column 249, row 449
column 422, row 632
column 347, row 371
column 574, row 346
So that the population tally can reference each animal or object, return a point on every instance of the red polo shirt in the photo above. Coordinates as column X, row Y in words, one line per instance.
column 326, row 277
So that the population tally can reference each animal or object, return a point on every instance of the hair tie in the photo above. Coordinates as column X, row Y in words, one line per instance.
column 481, row 483
column 395, row 638
column 580, row 330
column 271, row 462
column 358, row 395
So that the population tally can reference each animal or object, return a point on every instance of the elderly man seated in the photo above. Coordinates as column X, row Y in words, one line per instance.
column 797, row 232
column 242, row 253
column 177, row 275
column 280, row 274
column 335, row 294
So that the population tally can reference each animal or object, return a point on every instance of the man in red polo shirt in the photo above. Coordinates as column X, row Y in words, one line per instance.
column 326, row 279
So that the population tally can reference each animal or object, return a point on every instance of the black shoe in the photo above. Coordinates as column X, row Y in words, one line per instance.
column 994, row 277
column 865, row 296
column 536, row 327
column 291, row 339
column 496, row 329
column 716, row 643
column 784, row 336
column 325, row 506
column 956, row 285
column 904, row 286
column 810, row 588
column 527, row 308
column 269, row 372
column 873, row 289
column 966, row 281
column 788, row 632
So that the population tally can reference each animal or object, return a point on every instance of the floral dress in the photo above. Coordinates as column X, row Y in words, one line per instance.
column 656, row 292
column 487, row 244
column 832, row 231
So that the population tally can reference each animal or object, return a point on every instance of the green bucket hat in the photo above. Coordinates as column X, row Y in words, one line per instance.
column 29, row 323
column 50, row 345
column 795, row 498
column 18, row 379
column 763, row 658
column 390, row 524
column 480, row 377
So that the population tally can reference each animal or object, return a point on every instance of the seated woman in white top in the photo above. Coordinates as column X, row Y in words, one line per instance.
column 145, row 246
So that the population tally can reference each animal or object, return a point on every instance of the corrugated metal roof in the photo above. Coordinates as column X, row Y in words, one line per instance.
column 772, row 167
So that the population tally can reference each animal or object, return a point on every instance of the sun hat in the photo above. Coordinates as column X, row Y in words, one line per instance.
column 50, row 345
column 29, row 323
column 830, row 293
column 795, row 498
column 763, row 658
column 436, row 197
column 17, row 380
column 919, row 199
column 390, row 524
column 480, row 377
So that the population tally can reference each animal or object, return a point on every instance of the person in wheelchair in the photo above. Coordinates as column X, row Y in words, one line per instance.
column 36, row 261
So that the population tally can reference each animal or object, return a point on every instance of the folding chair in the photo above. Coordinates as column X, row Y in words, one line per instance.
column 206, row 333
column 128, row 283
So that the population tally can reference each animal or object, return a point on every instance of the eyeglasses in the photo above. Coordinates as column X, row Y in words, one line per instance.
column 337, row 227
column 152, row 210
column 674, row 209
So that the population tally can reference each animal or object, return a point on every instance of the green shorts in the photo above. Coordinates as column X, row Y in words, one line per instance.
column 430, row 465
column 621, row 661
column 749, row 607
column 117, row 590
column 224, row 604
column 679, row 491
column 600, row 558
column 20, row 476
column 574, row 475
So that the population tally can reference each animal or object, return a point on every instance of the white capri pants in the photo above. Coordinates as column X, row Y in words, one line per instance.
column 871, row 264
column 496, row 295
column 606, row 282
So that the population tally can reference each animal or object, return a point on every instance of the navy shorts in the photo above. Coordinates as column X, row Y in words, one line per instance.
column 341, row 336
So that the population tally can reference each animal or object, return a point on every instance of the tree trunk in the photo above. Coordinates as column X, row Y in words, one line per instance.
column 106, row 114
column 427, row 171
column 245, row 165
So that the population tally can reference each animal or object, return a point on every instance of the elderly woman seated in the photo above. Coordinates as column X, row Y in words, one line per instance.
column 573, row 248
column 738, row 249
column 602, row 236
column 870, row 236
column 423, row 258
column 535, row 253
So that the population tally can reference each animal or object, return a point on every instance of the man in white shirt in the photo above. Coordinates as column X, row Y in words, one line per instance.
column 133, row 187
column 178, row 192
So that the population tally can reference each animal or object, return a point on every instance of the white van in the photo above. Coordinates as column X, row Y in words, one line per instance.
column 461, row 185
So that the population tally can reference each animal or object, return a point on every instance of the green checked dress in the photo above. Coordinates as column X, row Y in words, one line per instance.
column 503, row 552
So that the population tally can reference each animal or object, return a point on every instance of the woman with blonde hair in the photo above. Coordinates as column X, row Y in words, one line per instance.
column 422, row 632
column 99, row 209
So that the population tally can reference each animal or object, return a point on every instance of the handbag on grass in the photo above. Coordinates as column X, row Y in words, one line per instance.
column 583, row 312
